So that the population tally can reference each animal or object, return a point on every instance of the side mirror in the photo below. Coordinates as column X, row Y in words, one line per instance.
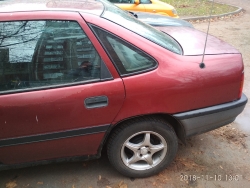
column 137, row 2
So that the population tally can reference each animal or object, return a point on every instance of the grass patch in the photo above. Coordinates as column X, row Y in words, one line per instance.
column 199, row 7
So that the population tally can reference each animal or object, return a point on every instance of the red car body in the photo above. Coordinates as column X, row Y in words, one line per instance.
column 54, row 123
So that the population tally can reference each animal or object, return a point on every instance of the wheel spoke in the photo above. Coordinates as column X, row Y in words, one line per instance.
column 155, row 148
column 132, row 147
column 148, row 159
column 133, row 159
column 146, row 141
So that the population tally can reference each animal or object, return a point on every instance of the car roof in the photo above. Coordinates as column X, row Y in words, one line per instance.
column 89, row 6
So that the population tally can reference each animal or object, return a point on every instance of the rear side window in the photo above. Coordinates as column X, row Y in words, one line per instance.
column 127, row 58
column 47, row 53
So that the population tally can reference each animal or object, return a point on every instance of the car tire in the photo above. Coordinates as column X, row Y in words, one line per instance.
column 142, row 147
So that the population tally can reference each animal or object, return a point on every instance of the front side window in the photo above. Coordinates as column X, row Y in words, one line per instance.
column 127, row 58
column 48, row 53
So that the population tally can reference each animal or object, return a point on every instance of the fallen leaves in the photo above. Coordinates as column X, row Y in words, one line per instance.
column 231, row 135
column 122, row 185
column 11, row 184
column 163, row 178
column 102, row 181
column 196, row 153
column 188, row 164
column 213, row 19
column 183, row 6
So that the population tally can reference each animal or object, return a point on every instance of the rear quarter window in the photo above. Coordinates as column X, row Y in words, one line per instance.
column 127, row 58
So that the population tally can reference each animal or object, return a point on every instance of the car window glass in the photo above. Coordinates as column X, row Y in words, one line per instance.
column 145, row 2
column 44, row 54
column 131, row 23
column 126, row 57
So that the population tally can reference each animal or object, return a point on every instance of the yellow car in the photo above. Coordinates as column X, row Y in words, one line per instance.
column 152, row 6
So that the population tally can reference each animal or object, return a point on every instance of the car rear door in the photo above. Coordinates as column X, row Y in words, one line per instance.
column 59, row 92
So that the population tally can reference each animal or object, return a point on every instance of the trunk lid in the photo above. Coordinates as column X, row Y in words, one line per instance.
column 192, row 41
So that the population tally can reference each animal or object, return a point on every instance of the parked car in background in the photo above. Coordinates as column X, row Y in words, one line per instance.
column 75, row 76
column 159, row 20
column 151, row 6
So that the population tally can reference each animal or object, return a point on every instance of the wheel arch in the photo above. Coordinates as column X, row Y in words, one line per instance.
column 174, row 123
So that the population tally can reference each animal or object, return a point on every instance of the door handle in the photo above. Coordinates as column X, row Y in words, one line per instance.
column 96, row 102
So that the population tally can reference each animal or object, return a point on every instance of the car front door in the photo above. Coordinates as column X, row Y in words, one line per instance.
column 58, row 90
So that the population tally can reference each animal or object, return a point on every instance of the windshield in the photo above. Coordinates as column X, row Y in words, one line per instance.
column 124, row 19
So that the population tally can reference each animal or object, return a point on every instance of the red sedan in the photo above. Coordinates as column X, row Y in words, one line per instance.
column 78, row 75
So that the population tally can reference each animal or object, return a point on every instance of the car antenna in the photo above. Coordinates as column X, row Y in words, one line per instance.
column 202, row 64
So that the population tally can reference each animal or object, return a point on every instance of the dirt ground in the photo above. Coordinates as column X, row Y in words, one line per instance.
column 220, row 158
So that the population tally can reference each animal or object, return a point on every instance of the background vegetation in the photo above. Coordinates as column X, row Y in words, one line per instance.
column 198, row 7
